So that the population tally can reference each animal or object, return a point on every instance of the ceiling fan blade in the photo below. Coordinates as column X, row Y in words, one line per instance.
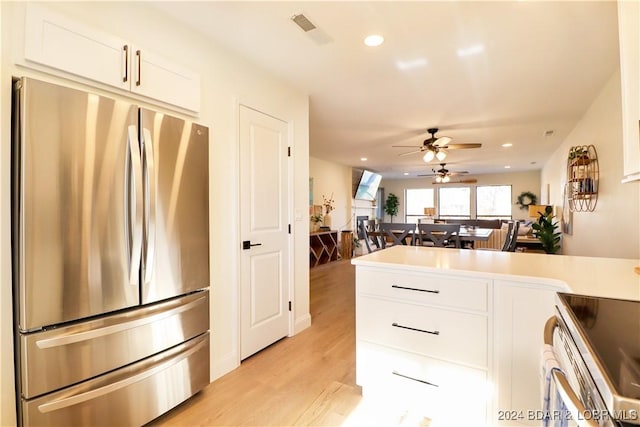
column 407, row 146
column 460, row 181
column 431, row 174
column 442, row 141
column 410, row 152
column 460, row 146
column 458, row 173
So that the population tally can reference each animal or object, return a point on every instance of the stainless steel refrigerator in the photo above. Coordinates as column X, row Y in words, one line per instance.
column 110, row 245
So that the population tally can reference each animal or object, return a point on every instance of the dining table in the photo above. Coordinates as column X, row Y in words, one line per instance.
column 469, row 235
column 475, row 233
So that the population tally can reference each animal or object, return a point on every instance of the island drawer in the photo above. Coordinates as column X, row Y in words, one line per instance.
column 445, row 334
column 449, row 291
column 437, row 390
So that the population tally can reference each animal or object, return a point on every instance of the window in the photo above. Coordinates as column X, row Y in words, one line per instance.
column 454, row 202
column 493, row 201
column 417, row 199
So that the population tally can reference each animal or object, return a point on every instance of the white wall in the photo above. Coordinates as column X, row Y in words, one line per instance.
column 612, row 230
column 227, row 80
column 333, row 178
column 519, row 181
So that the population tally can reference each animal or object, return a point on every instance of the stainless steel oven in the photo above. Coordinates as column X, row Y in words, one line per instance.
column 597, row 344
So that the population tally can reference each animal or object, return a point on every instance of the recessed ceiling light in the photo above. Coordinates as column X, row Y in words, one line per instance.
column 471, row 50
column 374, row 40
column 507, row 167
column 507, row 144
column 363, row 159
column 406, row 173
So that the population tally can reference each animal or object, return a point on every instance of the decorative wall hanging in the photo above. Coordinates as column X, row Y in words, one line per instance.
column 525, row 199
column 582, row 178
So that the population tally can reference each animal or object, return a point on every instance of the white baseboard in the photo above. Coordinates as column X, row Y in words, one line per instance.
column 302, row 323
column 223, row 366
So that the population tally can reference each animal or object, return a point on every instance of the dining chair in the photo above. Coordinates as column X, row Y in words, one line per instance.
column 366, row 227
column 512, row 237
column 359, row 220
column 396, row 233
column 439, row 235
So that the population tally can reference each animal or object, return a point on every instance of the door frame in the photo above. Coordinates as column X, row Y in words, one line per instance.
column 290, row 238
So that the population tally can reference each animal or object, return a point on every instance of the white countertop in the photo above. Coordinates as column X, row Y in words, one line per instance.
column 607, row 277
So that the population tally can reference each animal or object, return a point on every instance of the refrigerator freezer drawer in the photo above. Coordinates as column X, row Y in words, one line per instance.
column 57, row 358
column 130, row 396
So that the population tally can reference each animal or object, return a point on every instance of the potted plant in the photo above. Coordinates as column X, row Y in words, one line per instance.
column 391, row 205
column 356, row 246
column 545, row 229
column 316, row 220
column 578, row 154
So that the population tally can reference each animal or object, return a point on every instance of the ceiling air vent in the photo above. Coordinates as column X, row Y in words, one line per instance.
column 303, row 22
column 318, row 36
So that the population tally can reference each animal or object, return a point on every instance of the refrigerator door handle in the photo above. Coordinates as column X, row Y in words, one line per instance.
column 110, row 388
column 134, row 205
column 145, row 319
column 151, row 209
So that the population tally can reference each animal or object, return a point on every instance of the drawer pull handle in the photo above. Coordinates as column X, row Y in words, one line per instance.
column 416, row 289
column 415, row 379
column 415, row 329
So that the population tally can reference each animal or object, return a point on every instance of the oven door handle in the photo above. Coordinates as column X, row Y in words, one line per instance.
column 573, row 404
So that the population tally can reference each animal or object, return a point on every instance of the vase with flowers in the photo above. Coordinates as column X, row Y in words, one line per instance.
column 328, row 205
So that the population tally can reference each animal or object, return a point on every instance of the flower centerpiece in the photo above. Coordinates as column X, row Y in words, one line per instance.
column 328, row 205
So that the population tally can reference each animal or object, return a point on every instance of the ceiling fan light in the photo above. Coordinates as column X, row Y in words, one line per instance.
column 441, row 155
column 446, row 179
column 438, row 178
column 428, row 156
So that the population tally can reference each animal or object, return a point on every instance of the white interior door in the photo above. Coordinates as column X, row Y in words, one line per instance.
column 264, row 281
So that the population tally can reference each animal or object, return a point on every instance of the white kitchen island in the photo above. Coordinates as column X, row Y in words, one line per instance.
column 456, row 335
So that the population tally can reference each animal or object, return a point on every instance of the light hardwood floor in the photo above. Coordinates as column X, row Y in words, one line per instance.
column 305, row 380
column 308, row 379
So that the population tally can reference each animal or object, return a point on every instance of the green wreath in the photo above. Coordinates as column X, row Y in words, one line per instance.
column 525, row 199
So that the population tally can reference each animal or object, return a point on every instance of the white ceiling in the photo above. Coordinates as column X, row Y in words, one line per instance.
column 542, row 65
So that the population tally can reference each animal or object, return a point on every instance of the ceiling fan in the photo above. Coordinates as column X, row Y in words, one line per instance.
column 434, row 147
column 443, row 176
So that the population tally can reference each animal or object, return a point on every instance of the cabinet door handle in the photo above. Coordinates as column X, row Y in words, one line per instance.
column 434, row 291
column 125, row 49
column 415, row 379
column 394, row 324
column 139, row 56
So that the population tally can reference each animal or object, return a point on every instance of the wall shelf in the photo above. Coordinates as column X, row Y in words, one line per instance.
column 582, row 178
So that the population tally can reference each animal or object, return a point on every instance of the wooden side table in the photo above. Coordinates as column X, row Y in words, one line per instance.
column 346, row 244
column 323, row 247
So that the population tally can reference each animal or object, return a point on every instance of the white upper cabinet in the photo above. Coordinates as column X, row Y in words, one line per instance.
column 53, row 40
column 629, row 32
column 153, row 75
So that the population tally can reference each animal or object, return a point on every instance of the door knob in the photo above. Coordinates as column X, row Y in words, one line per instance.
column 246, row 244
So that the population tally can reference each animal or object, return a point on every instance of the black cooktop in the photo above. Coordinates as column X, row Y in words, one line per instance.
column 611, row 327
